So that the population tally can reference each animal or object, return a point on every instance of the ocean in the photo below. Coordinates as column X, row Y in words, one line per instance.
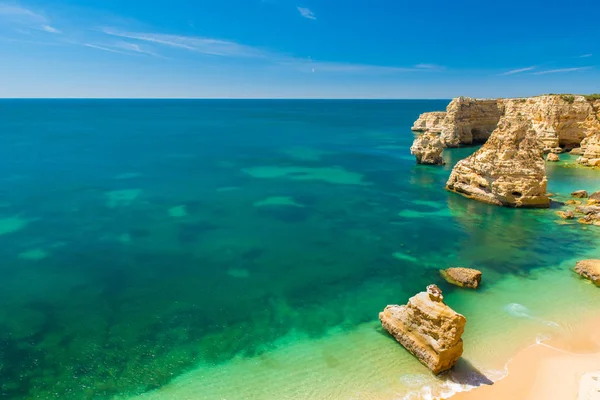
column 242, row 249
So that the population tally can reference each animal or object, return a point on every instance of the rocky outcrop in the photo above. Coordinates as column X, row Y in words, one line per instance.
column 508, row 170
column 553, row 157
column 463, row 277
column 428, row 328
column 428, row 148
column 589, row 269
column 590, row 148
column 580, row 194
column 429, row 122
column 561, row 122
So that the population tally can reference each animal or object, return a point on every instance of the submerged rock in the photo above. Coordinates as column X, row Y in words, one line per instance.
column 428, row 148
column 552, row 157
column 508, row 170
column 427, row 328
column 589, row 269
column 463, row 277
column 566, row 214
column 580, row 194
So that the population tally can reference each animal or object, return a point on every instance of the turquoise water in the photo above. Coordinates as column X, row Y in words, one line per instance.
column 145, row 240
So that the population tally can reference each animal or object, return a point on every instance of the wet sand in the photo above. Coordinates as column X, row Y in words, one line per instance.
column 565, row 367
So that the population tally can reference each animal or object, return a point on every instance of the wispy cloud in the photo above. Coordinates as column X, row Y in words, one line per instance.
column 562, row 70
column 23, row 17
column 586, row 55
column 131, row 49
column 202, row 45
column 517, row 71
column 97, row 47
column 50, row 29
column 307, row 13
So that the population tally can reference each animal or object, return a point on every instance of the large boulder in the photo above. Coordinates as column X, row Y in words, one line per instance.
column 428, row 148
column 463, row 277
column 508, row 170
column 428, row 328
column 589, row 269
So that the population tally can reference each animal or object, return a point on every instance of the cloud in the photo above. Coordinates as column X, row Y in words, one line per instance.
column 562, row 70
column 208, row 46
column 18, row 17
column 131, row 49
column 517, row 71
column 307, row 13
column 586, row 55
column 50, row 29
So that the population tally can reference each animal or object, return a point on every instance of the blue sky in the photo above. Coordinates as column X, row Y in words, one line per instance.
column 298, row 49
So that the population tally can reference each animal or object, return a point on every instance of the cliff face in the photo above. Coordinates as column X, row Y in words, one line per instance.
column 429, row 122
column 466, row 121
column 559, row 121
column 428, row 328
column 508, row 170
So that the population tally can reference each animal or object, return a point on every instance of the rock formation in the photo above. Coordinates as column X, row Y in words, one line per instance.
column 428, row 148
column 589, row 269
column 463, row 277
column 553, row 157
column 590, row 148
column 580, row 194
column 561, row 122
column 429, row 122
column 428, row 328
column 508, row 170
column 466, row 121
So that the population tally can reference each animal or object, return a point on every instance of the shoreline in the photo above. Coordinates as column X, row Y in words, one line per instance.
column 562, row 367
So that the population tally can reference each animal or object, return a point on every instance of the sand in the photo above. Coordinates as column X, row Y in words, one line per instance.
column 563, row 367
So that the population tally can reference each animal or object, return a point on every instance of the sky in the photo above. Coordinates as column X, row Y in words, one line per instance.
column 298, row 48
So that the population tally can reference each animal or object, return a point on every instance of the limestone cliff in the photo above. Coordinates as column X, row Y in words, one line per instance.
column 428, row 148
column 590, row 147
column 428, row 328
column 508, row 170
column 429, row 122
column 560, row 121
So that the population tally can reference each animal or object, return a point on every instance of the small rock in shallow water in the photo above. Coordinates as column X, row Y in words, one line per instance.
column 463, row 277
column 589, row 269
column 428, row 328
column 595, row 196
column 580, row 194
column 565, row 214
column 553, row 157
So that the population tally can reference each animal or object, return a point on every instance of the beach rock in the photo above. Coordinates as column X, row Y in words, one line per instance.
column 589, row 269
column 580, row 194
column 508, row 170
column 427, row 328
column 428, row 148
column 552, row 157
column 429, row 122
column 463, row 277
column 566, row 214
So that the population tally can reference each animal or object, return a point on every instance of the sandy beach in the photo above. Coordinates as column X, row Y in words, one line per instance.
column 564, row 367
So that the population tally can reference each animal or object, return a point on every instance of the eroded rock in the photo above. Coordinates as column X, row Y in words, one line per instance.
column 428, row 148
column 427, row 328
column 429, row 122
column 508, row 170
column 463, row 277
column 580, row 194
column 589, row 269
column 591, row 151
column 552, row 157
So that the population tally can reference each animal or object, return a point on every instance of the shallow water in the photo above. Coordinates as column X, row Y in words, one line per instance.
column 243, row 249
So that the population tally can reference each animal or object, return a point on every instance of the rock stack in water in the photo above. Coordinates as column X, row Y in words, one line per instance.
column 508, row 170
column 428, row 148
column 428, row 328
